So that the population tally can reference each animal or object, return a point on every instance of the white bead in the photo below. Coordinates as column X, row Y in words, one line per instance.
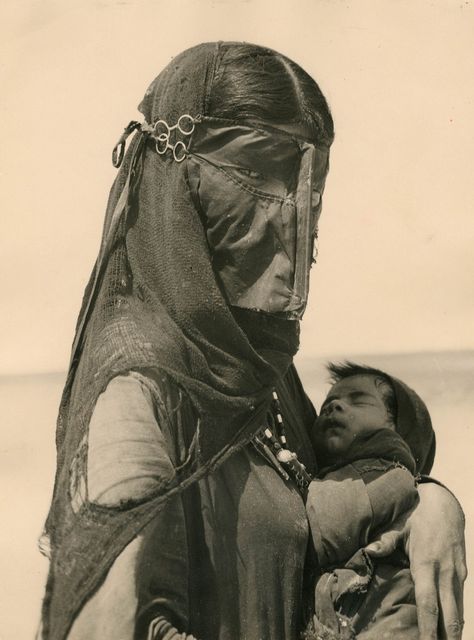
column 285, row 456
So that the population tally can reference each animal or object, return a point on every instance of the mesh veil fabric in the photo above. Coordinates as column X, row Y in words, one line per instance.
column 158, row 307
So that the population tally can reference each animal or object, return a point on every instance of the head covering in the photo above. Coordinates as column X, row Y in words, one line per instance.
column 413, row 423
column 153, row 303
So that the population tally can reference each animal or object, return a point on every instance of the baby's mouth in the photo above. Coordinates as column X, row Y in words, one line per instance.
column 333, row 423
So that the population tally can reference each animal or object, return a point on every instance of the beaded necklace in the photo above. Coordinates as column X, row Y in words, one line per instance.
column 278, row 446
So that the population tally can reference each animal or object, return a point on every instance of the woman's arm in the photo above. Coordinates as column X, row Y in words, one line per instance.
column 433, row 536
column 145, row 594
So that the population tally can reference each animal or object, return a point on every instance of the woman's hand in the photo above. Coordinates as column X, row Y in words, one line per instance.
column 433, row 537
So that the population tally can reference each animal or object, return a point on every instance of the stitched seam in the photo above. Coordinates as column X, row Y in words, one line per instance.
column 251, row 124
column 261, row 194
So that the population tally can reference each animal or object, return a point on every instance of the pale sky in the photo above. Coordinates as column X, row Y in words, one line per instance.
column 396, row 264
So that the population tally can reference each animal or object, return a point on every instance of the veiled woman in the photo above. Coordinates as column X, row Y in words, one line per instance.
column 171, row 516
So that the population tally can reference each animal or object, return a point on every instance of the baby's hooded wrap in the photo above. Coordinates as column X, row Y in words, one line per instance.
column 153, row 304
column 413, row 424
column 356, row 499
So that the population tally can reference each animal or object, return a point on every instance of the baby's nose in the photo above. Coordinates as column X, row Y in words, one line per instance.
column 334, row 405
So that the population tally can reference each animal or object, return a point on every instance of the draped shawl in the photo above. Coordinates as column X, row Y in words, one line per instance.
column 153, row 303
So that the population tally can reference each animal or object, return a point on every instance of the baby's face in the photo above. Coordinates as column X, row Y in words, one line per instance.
column 353, row 405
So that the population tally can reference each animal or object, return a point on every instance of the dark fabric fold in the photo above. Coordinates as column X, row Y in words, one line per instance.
column 381, row 443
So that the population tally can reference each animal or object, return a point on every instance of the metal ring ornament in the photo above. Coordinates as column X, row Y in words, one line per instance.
column 162, row 145
column 185, row 126
column 180, row 124
column 179, row 145
column 166, row 133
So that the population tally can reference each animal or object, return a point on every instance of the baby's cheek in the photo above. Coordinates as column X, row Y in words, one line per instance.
column 354, row 423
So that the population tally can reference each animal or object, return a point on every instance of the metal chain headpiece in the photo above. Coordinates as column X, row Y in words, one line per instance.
column 161, row 132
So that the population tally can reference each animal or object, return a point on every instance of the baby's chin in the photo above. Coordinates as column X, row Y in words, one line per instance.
column 332, row 449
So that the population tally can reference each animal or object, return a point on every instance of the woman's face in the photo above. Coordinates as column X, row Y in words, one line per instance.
column 259, row 188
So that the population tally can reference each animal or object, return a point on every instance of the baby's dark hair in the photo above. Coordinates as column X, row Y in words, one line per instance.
column 339, row 371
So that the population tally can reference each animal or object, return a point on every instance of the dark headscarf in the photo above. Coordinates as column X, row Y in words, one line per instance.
column 153, row 303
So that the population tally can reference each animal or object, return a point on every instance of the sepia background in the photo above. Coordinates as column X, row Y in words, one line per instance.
column 393, row 285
